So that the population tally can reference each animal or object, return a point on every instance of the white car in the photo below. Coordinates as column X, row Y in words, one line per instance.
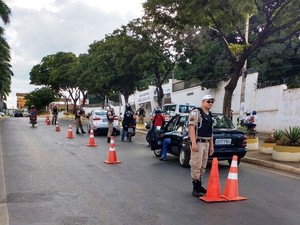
column 98, row 122
column 2, row 114
column 170, row 110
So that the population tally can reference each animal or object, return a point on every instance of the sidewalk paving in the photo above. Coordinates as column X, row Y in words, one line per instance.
column 258, row 158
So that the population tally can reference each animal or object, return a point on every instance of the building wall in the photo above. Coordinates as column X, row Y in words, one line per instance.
column 277, row 107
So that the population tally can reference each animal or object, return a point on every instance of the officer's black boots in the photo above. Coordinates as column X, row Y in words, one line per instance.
column 202, row 189
column 108, row 140
column 82, row 131
column 77, row 132
column 196, row 189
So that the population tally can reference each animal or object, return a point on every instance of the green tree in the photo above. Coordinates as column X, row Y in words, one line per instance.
column 162, row 50
column 268, row 18
column 204, row 59
column 40, row 98
column 5, row 67
column 56, row 71
column 278, row 63
column 115, row 62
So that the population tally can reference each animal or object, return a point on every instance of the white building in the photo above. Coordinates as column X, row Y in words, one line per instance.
column 277, row 107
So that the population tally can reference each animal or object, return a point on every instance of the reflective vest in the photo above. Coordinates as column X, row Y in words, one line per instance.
column 205, row 130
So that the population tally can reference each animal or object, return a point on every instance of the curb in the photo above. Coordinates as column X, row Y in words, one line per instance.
column 273, row 165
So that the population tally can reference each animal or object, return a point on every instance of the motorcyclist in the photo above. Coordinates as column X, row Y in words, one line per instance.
column 32, row 112
column 129, row 118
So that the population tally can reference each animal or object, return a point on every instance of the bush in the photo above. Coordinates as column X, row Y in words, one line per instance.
column 290, row 137
column 277, row 134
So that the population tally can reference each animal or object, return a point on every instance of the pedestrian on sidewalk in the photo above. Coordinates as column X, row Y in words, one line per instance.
column 201, row 142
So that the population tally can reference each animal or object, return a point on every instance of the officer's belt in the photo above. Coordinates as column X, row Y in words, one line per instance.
column 202, row 140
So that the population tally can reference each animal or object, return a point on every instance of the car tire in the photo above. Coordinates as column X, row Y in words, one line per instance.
column 157, row 152
column 230, row 160
column 184, row 156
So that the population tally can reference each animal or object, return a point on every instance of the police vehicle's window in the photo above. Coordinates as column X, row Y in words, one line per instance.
column 221, row 121
column 181, row 123
column 170, row 125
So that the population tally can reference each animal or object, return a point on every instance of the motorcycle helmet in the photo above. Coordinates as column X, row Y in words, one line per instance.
column 254, row 112
column 32, row 106
column 157, row 109
column 248, row 113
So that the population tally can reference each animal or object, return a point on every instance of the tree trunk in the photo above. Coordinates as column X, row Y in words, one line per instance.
column 160, row 95
column 230, row 87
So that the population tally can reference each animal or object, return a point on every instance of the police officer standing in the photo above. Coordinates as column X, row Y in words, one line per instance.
column 79, row 112
column 110, row 121
column 54, row 115
column 201, row 140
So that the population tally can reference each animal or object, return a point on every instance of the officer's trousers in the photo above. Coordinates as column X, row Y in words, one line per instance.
column 198, row 160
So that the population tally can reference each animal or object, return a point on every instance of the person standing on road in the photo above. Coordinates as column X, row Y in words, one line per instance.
column 201, row 141
column 110, row 122
column 54, row 114
column 141, row 114
column 79, row 113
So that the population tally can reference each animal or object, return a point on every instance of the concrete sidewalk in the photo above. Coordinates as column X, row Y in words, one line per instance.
column 258, row 158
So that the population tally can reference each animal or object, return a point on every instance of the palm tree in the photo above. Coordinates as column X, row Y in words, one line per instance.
column 5, row 67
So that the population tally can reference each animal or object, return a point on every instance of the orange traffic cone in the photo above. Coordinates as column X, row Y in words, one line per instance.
column 231, row 192
column 47, row 118
column 112, row 142
column 57, row 128
column 48, row 121
column 112, row 154
column 213, row 188
column 70, row 132
column 91, row 142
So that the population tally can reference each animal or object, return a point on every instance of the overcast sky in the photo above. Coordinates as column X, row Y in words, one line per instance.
column 42, row 27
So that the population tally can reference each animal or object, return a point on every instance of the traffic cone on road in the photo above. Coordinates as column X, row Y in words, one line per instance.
column 91, row 142
column 231, row 191
column 213, row 188
column 112, row 142
column 112, row 154
column 47, row 118
column 70, row 132
column 57, row 128
column 48, row 121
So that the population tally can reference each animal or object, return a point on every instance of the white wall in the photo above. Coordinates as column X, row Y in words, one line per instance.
column 277, row 107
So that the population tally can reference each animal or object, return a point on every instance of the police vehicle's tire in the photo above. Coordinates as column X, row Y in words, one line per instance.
column 157, row 152
column 184, row 156
column 230, row 160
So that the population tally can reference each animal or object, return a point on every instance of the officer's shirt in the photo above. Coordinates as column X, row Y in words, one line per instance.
column 195, row 119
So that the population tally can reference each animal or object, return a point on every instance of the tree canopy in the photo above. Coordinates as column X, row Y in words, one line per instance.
column 5, row 67
column 230, row 19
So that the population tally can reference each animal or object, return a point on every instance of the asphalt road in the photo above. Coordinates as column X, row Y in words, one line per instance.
column 52, row 180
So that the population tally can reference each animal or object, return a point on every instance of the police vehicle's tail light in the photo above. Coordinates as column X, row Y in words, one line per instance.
column 96, row 118
column 244, row 144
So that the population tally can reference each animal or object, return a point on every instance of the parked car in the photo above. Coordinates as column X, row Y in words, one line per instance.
column 228, row 141
column 170, row 110
column 2, row 114
column 97, row 120
column 18, row 113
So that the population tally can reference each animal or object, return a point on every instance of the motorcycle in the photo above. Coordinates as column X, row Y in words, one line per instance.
column 250, row 128
column 128, row 131
column 33, row 120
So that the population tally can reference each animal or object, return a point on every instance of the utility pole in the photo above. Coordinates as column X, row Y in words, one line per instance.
column 244, row 71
